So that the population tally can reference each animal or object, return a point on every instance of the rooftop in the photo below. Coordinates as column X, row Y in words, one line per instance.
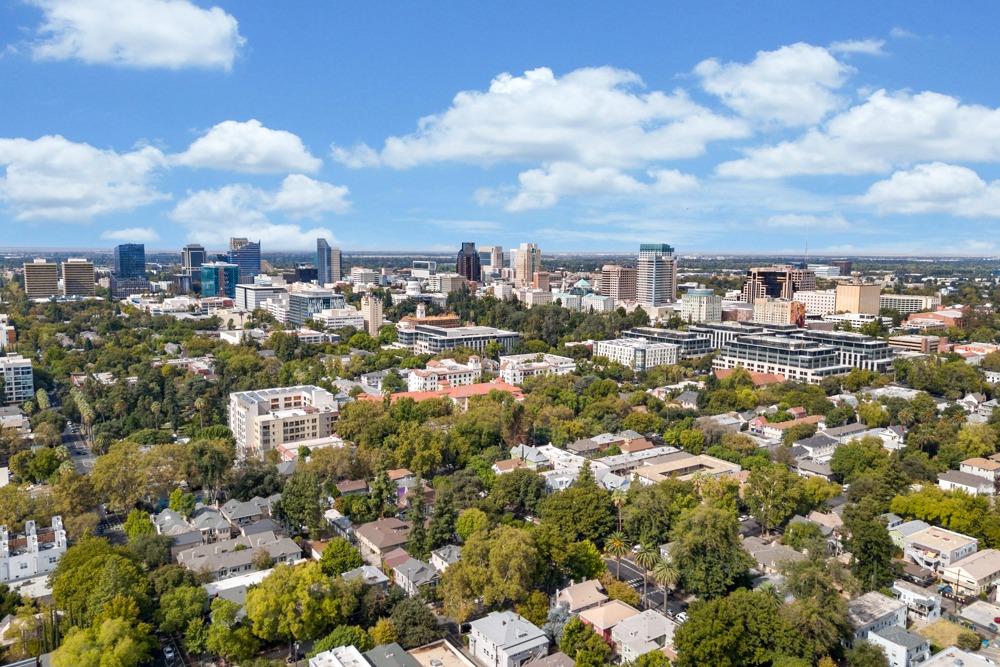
column 608, row 615
column 870, row 607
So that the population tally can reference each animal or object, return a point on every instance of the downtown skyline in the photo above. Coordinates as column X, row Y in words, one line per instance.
column 844, row 132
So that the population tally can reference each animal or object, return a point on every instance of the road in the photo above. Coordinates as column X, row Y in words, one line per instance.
column 632, row 575
column 81, row 455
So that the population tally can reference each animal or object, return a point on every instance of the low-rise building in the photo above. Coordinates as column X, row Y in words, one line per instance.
column 413, row 575
column 921, row 603
column 228, row 558
column 35, row 552
column 441, row 373
column 639, row 354
column 974, row 485
column 516, row 368
column 902, row 648
column 794, row 359
column 506, row 639
column 342, row 656
column 937, row 548
column 444, row 557
column 640, row 634
column 376, row 538
column 684, row 466
column 874, row 611
column 428, row 339
column 691, row 343
column 603, row 618
column 582, row 596
column 974, row 574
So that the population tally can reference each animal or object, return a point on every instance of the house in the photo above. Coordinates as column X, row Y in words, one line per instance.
column 900, row 532
column 393, row 558
column 642, row 633
column 581, row 596
column 35, row 552
column 921, row 603
column 819, row 447
column 342, row 656
column 936, row 548
column 873, row 612
column 401, row 476
column 412, row 575
column 441, row 653
column 531, row 456
column 761, row 426
column 444, row 556
column 770, row 556
column 603, row 618
column 982, row 616
column 228, row 558
column 902, row 648
column 954, row 656
column 507, row 465
column 376, row 538
column 390, row 655
column 352, row 487
column 369, row 575
column 240, row 513
column 687, row 400
column 974, row 485
column 506, row 639
column 985, row 468
column 340, row 524
column 974, row 574
column 557, row 659
column 847, row 432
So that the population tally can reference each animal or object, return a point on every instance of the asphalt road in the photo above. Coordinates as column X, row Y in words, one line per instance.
column 632, row 575
column 79, row 451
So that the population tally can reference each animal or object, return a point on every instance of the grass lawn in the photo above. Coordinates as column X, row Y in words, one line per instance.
column 941, row 633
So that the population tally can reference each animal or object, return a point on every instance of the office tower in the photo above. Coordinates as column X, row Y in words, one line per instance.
column 526, row 262
column 302, row 273
column 618, row 282
column 496, row 258
column 856, row 297
column 336, row 267
column 192, row 257
column 130, row 260
column 780, row 281
column 656, row 275
column 41, row 279
column 306, row 302
column 246, row 255
column 324, row 260
column 78, row 277
column 541, row 280
column 484, row 257
column 467, row 264
column 423, row 268
column 844, row 265
column 701, row 305
column 219, row 279
column 371, row 311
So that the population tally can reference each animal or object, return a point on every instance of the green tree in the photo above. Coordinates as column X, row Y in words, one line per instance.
column 583, row 645
column 871, row 548
column 300, row 501
column 383, row 632
column 617, row 547
column 535, row 608
column 138, row 524
column 772, row 494
column 708, row 552
column 866, row 654
column 441, row 530
column 91, row 575
column 339, row 556
column 180, row 606
column 181, row 502
column 115, row 641
column 584, row 511
column 415, row 624
column 344, row 635
column 227, row 637
column 470, row 521
column 666, row 574
column 647, row 557
column 298, row 603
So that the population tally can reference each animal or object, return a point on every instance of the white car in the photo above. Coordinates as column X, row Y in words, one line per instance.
column 682, row 617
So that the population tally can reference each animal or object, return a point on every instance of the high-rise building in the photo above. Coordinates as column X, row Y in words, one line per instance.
column 192, row 257
column 219, row 279
column 656, row 275
column 780, row 281
column 618, row 282
column 496, row 258
column 130, row 260
column 41, row 279
column 541, row 280
column 324, row 261
column 856, row 297
column 18, row 379
column 844, row 265
column 304, row 303
column 527, row 261
column 467, row 263
column 336, row 266
column 78, row 277
column 779, row 311
column 371, row 311
column 701, row 305
column 246, row 255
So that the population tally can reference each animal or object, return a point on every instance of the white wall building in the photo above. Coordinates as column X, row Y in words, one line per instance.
column 514, row 369
column 701, row 305
column 597, row 303
column 339, row 318
column 34, row 553
column 908, row 303
column 441, row 373
column 901, row 647
column 638, row 354
column 252, row 297
column 817, row 302
column 874, row 611
column 263, row 419
column 505, row 639
column 18, row 378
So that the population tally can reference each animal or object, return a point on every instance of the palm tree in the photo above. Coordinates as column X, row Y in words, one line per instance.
column 618, row 497
column 666, row 574
column 646, row 558
column 617, row 546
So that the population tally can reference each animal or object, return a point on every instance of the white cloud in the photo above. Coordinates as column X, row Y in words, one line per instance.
column 794, row 85
column 53, row 178
column 211, row 215
column 171, row 34
column 885, row 131
column 936, row 188
column 807, row 221
column 869, row 47
column 131, row 234
column 468, row 226
column 249, row 147
column 901, row 33
column 595, row 117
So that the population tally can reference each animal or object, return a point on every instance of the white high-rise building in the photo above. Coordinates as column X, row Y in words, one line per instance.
column 701, row 305
column 656, row 275
column 18, row 379
column 263, row 419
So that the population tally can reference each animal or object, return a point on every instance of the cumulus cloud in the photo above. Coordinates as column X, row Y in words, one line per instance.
column 869, row 47
column 936, row 188
column 53, row 178
column 249, row 147
column 794, row 85
column 210, row 215
column 170, row 34
column 595, row 117
column 131, row 234
column 885, row 131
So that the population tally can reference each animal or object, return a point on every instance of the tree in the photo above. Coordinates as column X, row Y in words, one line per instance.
column 227, row 637
column 666, row 574
column 138, row 524
column 441, row 530
column 344, row 635
column 772, row 495
column 152, row 550
column 383, row 632
column 518, row 492
column 866, row 654
column 617, row 547
column 584, row 511
column 91, row 575
column 415, row 624
column 181, row 502
column 535, row 608
column 652, row 659
column 583, row 645
column 338, row 557
column 180, row 606
column 300, row 501
column 115, row 641
column 647, row 557
column 470, row 521
column 858, row 457
column 708, row 552
column 298, row 603
column 871, row 548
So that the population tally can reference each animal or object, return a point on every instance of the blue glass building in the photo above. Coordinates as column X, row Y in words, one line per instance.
column 130, row 260
column 219, row 279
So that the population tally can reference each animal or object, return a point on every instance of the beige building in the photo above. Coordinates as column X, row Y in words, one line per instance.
column 858, row 298
column 527, row 262
column 618, row 282
column 778, row 311
column 263, row 419
column 701, row 305
column 78, row 278
column 41, row 279
column 817, row 302
column 656, row 275
column 907, row 304
column 371, row 312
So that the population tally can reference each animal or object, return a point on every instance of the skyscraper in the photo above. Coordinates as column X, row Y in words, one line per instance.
column 656, row 275
column 192, row 257
column 467, row 264
column 618, row 282
column 371, row 311
column 496, row 258
column 41, row 279
column 246, row 255
column 336, row 267
column 527, row 261
column 130, row 260
column 78, row 277
column 324, row 259
column 219, row 279
column 779, row 281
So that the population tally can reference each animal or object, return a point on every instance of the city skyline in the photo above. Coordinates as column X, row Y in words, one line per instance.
column 844, row 132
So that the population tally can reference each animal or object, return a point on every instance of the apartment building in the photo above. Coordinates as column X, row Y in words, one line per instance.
column 505, row 639
column 918, row 343
column 857, row 297
column 339, row 318
column 817, row 302
column 937, row 548
column 701, row 305
column 874, row 611
column 441, row 373
column 855, row 350
column 18, row 378
column 33, row 553
column 429, row 339
column 618, row 282
column 516, row 368
column 691, row 344
column 795, row 359
column 975, row 574
column 78, row 278
column 778, row 311
column 907, row 304
column 371, row 313
column 639, row 354
column 41, row 279
column 263, row 419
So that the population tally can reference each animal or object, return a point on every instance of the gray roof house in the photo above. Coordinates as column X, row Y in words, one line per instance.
column 390, row 655
column 229, row 558
column 642, row 633
column 412, row 575
column 444, row 556
column 369, row 575
column 240, row 513
column 506, row 639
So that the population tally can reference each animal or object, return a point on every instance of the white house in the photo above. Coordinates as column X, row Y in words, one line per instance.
column 34, row 553
column 974, row 485
column 901, row 647
column 874, row 611
column 506, row 639
column 921, row 604
column 642, row 633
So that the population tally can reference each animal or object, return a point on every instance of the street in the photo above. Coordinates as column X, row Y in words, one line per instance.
column 632, row 575
column 79, row 451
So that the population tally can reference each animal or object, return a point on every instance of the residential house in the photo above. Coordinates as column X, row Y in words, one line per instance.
column 369, row 575
column 902, row 531
column 240, row 513
column 902, row 648
column 557, row 659
column 532, row 457
column 775, row 431
column 340, row 524
column 376, row 538
column 955, row 657
column 921, row 603
column 228, row 558
column 35, row 552
column 395, row 557
column 341, row 656
column 507, row 465
column 874, row 611
column 443, row 557
column 642, row 633
column 390, row 655
column 506, row 639
column 688, row 400
column 352, row 487
column 603, row 618
column 974, row 574
column 974, row 485
column 582, row 596
column 413, row 575
column 985, row 468
column 770, row 556
column 937, row 548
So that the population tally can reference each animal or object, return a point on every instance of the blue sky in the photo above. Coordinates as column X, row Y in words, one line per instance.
column 850, row 128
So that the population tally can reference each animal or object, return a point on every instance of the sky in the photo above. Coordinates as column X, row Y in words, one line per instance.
column 843, row 128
